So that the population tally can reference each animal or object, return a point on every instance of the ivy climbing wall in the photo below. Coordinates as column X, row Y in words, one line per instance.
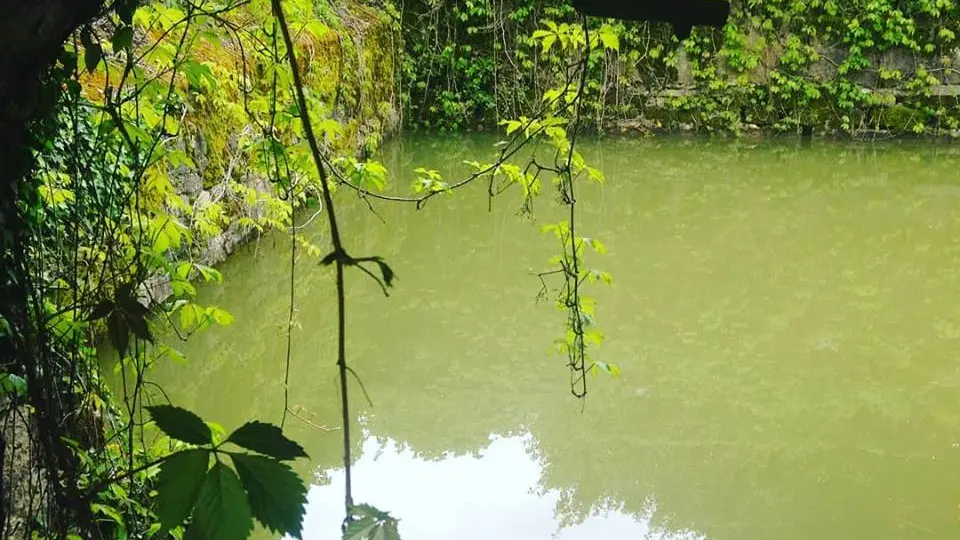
column 854, row 67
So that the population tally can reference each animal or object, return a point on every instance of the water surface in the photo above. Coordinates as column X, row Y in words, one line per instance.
column 786, row 319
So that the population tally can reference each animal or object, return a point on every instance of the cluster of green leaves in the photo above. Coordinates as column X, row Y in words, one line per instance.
column 111, row 221
column 470, row 63
column 221, row 502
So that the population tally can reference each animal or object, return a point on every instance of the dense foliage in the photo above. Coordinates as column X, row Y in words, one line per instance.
column 858, row 68
column 181, row 127
column 175, row 125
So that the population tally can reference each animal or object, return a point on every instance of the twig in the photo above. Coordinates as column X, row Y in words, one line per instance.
column 337, row 247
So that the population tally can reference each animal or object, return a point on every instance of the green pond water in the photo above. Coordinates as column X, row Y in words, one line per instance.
column 786, row 318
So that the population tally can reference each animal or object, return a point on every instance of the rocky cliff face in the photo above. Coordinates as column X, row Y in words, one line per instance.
column 350, row 69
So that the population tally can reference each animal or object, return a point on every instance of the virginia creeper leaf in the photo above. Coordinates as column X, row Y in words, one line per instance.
column 276, row 494
column 221, row 511
column 178, row 485
column 266, row 439
column 180, row 424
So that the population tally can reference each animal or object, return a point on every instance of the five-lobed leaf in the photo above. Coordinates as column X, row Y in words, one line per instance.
column 180, row 424
column 276, row 494
column 266, row 439
column 221, row 511
column 178, row 485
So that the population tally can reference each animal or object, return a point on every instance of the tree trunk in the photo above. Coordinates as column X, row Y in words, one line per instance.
column 32, row 33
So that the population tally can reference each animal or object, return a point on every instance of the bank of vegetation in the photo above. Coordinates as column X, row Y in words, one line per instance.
column 860, row 68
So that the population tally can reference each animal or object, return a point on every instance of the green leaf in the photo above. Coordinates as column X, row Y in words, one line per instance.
column 608, row 36
column 92, row 56
column 597, row 246
column 276, row 494
column 178, row 485
column 317, row 28
column 198, row 74
column 221, row 511
column 101, row 310
column 125, row 9
column 369, row 523
column 548, row 42
column 513, row 125
column 209, row 274
column 221, row 316
column 266, row 439
column 612, row 369
column 189, row 316
column 180, row 424
column 13, row 384
column 108, row 511
column 122, row 38
column 92, row 52
column 182, row 287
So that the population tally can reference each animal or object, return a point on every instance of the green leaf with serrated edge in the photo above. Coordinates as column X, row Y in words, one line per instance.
column 276, row 494
column 221, row 511
column 180, row 424
column 178, row 485
column 266, row 439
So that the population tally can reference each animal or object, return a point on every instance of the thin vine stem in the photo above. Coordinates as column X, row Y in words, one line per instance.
column 335, row 239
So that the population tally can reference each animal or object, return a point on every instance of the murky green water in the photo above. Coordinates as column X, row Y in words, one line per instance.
column 787, row 320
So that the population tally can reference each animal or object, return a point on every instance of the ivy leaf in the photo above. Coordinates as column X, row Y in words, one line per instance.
column 221, row 512
column 178, row 485
column 276, row 494
column 180, row 424
column 266, row 439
